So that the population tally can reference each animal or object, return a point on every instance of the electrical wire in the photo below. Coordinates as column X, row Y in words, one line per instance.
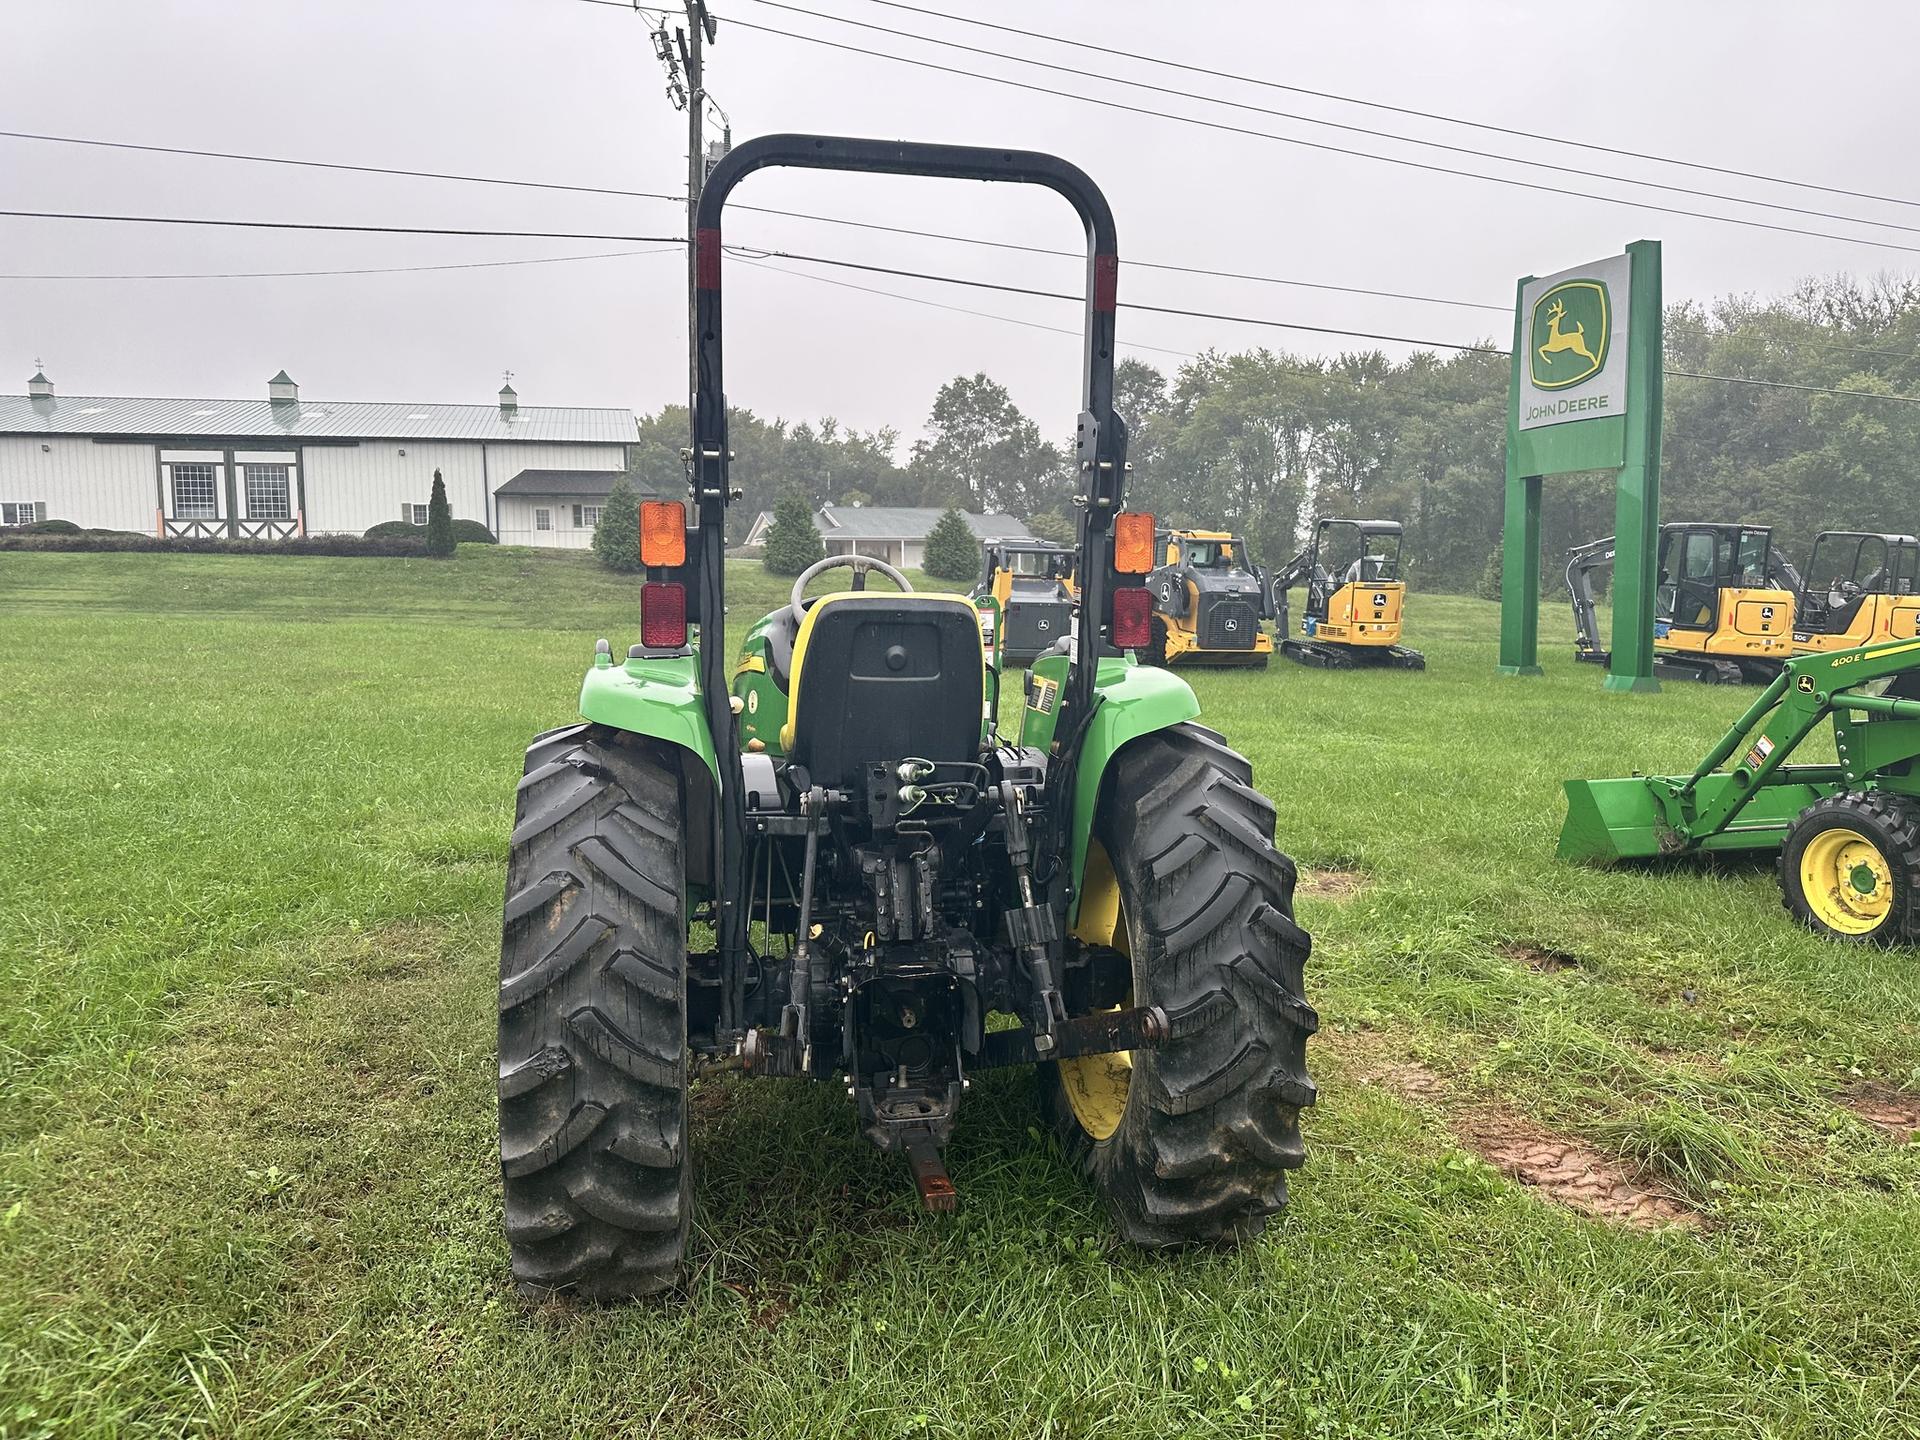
column 760, row 264
column 370, row 270
column 1223, row 127
column 1298, row 118
column 756, row 209
column 353, row 229
column 1398, row 109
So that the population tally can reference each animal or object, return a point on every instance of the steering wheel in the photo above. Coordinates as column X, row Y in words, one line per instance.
column 857, row 563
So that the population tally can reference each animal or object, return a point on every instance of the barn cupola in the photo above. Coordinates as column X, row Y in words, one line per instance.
column 282, row 391
column 40, row 387
column 509, row 399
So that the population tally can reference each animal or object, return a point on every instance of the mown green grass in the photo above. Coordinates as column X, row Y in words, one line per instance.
column 254, row 822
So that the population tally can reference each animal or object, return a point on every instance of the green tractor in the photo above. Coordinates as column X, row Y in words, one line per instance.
column 825, row 861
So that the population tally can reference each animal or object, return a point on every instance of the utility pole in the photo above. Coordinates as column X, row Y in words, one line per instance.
column 685, row 55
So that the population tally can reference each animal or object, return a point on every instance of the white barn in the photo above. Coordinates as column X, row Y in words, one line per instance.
column 280, row 467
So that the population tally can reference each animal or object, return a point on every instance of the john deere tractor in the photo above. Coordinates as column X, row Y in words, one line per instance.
column 824, row 861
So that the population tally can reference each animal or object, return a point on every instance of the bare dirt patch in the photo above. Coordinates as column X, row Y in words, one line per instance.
column 1568, row 1172
column 1365, row 1057
column 1318, row 883
column 1885, row 1107
column 1544, row 958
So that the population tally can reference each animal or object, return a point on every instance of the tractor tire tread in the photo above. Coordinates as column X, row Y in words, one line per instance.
column 1212, row 1121
column 593, row 1058
column 1898, row 817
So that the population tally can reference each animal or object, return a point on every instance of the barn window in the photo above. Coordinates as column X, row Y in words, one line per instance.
column 16, row 512
column 417, row 514
column 585, row 517
column 193, row 493
column 543, row 519
column 268, row 495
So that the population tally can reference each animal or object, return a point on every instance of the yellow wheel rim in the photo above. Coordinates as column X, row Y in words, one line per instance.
column 1847, row 882
column 1097, row 1085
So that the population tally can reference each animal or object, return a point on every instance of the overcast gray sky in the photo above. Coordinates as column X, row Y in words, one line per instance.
column 569, row 91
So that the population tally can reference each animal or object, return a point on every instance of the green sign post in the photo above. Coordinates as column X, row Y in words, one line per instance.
column 1585, row 394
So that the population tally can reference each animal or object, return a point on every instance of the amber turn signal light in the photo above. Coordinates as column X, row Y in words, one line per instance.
column 1133, row 542
column 663, row 532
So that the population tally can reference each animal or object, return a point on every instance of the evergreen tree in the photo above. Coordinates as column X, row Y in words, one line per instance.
column 952, row 552
column 616, row 538
column 439, row 519
column 793, row 541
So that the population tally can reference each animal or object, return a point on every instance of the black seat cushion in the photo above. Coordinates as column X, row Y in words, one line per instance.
column 882, row 677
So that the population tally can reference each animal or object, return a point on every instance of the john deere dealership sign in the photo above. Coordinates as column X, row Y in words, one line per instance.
column 1575, row 329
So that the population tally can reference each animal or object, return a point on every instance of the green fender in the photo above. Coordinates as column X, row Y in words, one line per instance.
column 657, row 697
column 1136, row 700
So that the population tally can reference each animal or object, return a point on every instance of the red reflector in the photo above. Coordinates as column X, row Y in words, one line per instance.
column 1106, row 281
column 1132, row 617
column 663, row 616
column 706, row 250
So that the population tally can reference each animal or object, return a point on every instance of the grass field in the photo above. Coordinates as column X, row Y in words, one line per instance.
column 254, row 826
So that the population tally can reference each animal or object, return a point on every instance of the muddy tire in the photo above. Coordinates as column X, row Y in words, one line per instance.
column 1209, row 1122
column 593, row 1055
column 1850, row 869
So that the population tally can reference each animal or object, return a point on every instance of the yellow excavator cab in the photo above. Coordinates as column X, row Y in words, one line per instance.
column 1861, row 588
column 1356, row 599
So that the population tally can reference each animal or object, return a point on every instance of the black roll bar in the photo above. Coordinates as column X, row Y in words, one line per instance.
column 1100, row 455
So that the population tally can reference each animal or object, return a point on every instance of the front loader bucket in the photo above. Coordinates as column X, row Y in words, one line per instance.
column 1610, row 820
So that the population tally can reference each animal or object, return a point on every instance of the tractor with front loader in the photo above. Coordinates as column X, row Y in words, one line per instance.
column 1847, row 832
column 1356, row 599
column 825, row 861
column 1723, row 612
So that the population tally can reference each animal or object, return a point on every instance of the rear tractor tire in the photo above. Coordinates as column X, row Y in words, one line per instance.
column 593, row 1052
column 1850, row 869
column 1191, row 1141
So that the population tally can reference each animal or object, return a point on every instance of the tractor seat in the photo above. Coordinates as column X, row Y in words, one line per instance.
column 879, row 677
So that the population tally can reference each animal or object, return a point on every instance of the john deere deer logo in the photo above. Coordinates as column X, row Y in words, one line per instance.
column 1570, row 331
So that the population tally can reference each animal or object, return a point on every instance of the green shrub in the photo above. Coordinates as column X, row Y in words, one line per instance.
column 50, row 527
column 952, row 552
column 439, row 519
column 465, row 532
column 616, row 539
column 793, row 541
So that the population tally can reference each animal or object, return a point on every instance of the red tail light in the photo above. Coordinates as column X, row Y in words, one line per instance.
column 663, row 616
column 1132, row 617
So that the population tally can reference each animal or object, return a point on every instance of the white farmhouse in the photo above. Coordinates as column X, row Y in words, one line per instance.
column 282, row 466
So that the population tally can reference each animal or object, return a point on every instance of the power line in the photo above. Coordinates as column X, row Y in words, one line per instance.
column 1399, row 109
column 757, row 209
column 353, row 229
column 1225, row 128
column 1295, row 116
column 1318, row 329
column 337, row 165
column 955, row 309
column 371, row 270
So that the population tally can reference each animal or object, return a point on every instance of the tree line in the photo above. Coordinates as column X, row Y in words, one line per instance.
column 1262, row 442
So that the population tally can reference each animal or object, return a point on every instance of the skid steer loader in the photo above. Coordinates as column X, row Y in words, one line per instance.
column 1209, row 599
column 1861, row 588
column 1355, row 598
column 1722, row 614
column 1030, row 583
column 836, row 868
